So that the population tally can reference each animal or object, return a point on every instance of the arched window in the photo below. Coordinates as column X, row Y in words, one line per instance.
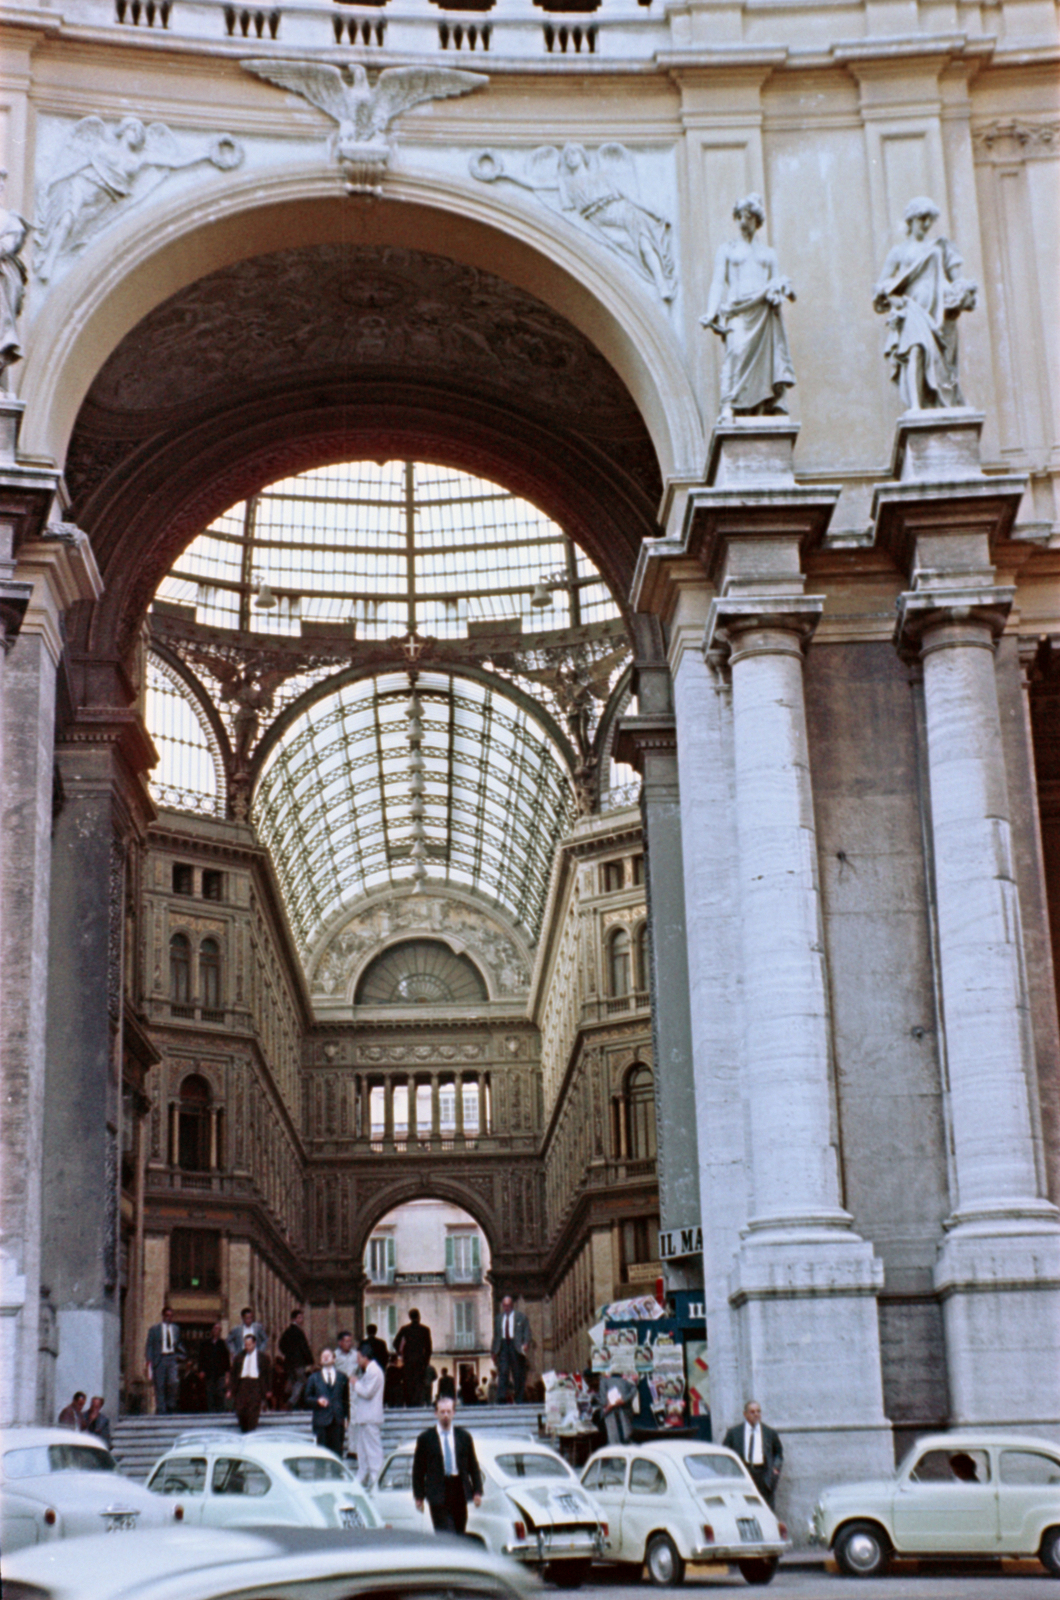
column 642, row 948
column 210, row 974
column 180, row 969
column 619, row 955
column 193, row 1130
column 640, row 1112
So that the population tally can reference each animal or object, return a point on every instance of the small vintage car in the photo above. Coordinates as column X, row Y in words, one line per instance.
column 671, row 1501
column 533, row 1508
column 237, row 1480
column 955, row 1494
column 55, row 1484
column 283, row 1563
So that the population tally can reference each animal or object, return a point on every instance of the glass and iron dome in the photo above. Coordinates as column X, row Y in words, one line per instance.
column 404, row 777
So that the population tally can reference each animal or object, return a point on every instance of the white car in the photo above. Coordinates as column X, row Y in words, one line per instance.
column 237, row 1480
column 281, row 1563
column 533, row 1508
column 672, row 1501
column 55, row 1484
column 955, row 1494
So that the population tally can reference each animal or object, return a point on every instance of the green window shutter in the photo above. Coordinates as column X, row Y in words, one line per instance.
column 391, row 1259
column 476, row 1260
column 449, row 1258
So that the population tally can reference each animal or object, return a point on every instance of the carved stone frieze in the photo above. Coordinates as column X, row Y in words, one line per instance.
column 473, row 931
column 1014, row 137
column 102, row 171
column 365, row 313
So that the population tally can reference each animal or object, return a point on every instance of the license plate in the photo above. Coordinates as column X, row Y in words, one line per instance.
column 351, row 1517
column 750, row 1530
column 120, row 1521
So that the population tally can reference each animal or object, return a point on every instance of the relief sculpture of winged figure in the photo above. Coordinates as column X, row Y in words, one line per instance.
column 362, row 110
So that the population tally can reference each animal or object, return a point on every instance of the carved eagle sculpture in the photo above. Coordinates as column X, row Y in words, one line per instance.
column 364, row 111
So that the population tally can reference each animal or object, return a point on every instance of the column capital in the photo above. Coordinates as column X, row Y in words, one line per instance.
column 637, row 736
column 109, row 746
column 972, row 616
column 734, row 618
column 61, row 566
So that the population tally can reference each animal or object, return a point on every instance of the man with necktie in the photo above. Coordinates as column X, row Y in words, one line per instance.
column 445, row 1470
column 327, row 1394
column 511, row 1341
column 163, row 1354
column 251, row 1372
column 759, row 1448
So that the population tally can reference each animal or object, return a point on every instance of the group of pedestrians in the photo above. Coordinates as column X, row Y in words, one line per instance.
column 94, row 1420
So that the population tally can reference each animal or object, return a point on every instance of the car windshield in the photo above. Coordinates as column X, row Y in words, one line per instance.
column 706, row 1468
column 532, row 1464
column 37, row 1460
column 317, row 1469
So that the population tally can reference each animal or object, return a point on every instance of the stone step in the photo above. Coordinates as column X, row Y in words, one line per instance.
column 139, row 1441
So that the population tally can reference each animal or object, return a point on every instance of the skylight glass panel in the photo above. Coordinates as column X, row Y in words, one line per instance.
column 190, row 773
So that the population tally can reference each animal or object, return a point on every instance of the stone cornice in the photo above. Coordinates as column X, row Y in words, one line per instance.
column 59, row 562
column 637, row 735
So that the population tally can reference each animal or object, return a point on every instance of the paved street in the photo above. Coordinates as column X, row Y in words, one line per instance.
column 810, row 1584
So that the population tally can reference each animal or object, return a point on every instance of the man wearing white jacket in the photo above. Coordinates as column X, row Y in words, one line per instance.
column 367, row 1418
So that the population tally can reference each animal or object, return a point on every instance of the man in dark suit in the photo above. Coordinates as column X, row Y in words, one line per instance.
column 413, row 1345
column 511, row 1341
column 327, row 1394
column 215, row 1363
column 445, row 1470
column 380, row 1353
column 251, row 1372
column 759, row 1448
column 163, row 1354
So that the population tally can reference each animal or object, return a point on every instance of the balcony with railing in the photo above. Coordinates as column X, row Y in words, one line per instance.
column 602, row 1007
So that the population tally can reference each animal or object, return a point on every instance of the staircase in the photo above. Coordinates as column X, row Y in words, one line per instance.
column 140, row 1441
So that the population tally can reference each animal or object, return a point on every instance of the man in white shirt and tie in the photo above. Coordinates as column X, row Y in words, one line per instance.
column 163, row 1354
column 511, row 1341
column 327, row 1394
column 759, row 1448
column 251, row 1372
column 445, row 1470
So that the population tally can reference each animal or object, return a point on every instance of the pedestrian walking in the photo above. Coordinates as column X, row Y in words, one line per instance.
column 215, row 1364
column 96, row 1420
column 247, row 1323
column 327, row 1394
column 163, row 1354
column 251, row 1372
column 511, row 1341
column 413, row 1344
column 297, row 1357
column 366, row 1415
column 759, row 1448
column 380, row 1351
column 71, row 1416
column 445, row 1470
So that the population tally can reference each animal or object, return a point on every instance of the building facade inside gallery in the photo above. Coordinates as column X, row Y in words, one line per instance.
column 367, row 537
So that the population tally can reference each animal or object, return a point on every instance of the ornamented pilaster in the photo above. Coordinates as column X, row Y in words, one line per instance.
column 998, row 1269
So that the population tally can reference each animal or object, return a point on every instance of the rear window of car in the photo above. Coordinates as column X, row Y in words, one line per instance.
column 952, row 1466
column 317, row 1469
column 706, row 1468
column 37, row 1460
column 532, row 1464
column 397, row 1474
column 232, row 1476
column 607, row 1473
column 1028, row 1467
column 179, row 1475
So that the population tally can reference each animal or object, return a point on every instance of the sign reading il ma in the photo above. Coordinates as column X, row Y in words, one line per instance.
column 675, row 1242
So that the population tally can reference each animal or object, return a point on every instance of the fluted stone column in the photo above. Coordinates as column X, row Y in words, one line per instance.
column 998, row 1269
column 53, row 568
column 790, row 1287
column 648, row 742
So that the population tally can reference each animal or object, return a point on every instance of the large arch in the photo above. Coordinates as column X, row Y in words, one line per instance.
column 148, row 257
column 402, row 1190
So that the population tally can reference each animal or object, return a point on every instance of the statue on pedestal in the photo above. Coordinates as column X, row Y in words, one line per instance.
column 922, row 293
column 14, row 231
column 743, row 308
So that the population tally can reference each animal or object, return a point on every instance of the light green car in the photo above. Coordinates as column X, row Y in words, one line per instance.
column 955, row 1494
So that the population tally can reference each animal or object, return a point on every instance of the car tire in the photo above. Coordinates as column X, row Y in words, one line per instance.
column 862, row 1550
column 665, row 1567
column 761, row 1569
column 568, row 1574
column 1049, row 1551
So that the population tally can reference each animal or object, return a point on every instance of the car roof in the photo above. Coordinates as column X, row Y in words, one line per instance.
column 176, row 1562
column 982, row 1439
column 668, row 1447
column 277, row 1442
column 18, row 1437
column 489, row 1446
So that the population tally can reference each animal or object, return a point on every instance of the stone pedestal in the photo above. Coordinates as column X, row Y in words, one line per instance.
column 648, row 742
column 998, row 1269
column 791, row 1288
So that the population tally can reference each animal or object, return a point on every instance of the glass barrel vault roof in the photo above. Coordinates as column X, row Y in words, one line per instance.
column 391, row 548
